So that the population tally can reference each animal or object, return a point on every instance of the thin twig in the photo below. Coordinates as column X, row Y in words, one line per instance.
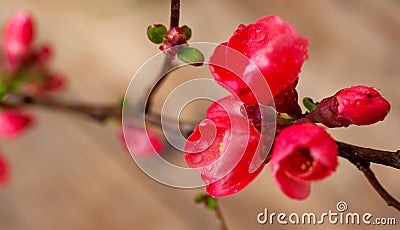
column 175, row 11
column 166, row 67
column 220, row 218
column 168, row 63
column 369, row 174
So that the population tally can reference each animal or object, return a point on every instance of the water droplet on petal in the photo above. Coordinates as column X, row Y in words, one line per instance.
column 197, row 159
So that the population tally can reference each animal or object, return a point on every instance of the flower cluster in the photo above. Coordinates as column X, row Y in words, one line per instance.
column 23, row 70
column 223, row 147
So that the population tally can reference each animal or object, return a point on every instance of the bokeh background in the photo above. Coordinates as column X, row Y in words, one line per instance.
column 72, row 173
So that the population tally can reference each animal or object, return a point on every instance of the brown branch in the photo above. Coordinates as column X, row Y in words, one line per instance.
column 359, row 156
column 220, row 218
column 175, row 11
column 168, row 63
column 99, row 113
column 167, row 66
column 369, row 174
column 356, row 153
column 362, row 157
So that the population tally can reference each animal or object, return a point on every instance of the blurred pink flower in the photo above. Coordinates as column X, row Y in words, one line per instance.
column 17, row 38
column 4, row 171
column 140, row 141
column 13, row 122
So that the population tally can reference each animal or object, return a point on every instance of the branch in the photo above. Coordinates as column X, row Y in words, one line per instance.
column 369, row 174
column 355, row 154
column 99, row 113
column 220, row 218
column 175, row 8
column 168, row 63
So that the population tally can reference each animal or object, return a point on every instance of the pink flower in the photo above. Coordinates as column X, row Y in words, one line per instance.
column 17, row 38
column 222, row 148
column 140, row 141
column 359, row 105
column 275, row 48
column 13, row 122
column 302, row 153
column 4, row 174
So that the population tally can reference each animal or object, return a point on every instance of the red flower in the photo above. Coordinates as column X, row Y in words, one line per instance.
column 302, row 153
column 222, row 148
column 13, row 122
column 359, row 105
column 140, row 141
column 3, row 171
column 17, row 38
column 275, row 48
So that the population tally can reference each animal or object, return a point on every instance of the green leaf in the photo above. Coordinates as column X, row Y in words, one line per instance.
column 309, row 104
column 200, row 198
column 156, row 33
column 211, row 203
column 187, row 31
column 191, row 55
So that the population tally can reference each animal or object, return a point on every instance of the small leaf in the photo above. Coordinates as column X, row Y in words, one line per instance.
column 156, row 33
column 191, row 55
column 309, row 104
column 187, row 31
column 211, row 203
column 208, row 201
column 200, row 198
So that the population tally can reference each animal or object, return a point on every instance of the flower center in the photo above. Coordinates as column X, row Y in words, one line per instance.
column 300, row 162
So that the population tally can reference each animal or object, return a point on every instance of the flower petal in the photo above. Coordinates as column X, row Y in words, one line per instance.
column 292, row 188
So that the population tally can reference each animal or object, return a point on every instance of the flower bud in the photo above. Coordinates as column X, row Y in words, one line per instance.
column 359, row 105
column 176, row 36
column 13, row 122
column 4, row 174
column 17, row 38
column 42, row 55
column 55, row 82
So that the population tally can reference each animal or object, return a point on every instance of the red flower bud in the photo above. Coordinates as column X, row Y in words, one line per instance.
column 4, row 174
column 169, row 49
column 359, row 105
column 140, row 141
column 55, row 82
column 43, row 55
column 176, row 36
column 362, row 105
column 17, row 38
column 13, row 122
column 222, row 148
column 276, row 49
column 302, row 153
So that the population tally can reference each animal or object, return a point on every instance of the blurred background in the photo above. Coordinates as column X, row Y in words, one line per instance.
column 72, row 173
